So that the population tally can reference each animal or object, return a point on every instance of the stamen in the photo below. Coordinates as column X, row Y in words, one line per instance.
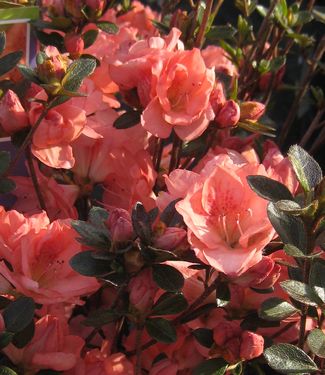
column 238, row 225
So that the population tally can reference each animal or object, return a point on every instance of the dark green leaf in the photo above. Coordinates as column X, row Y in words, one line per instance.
column 288, row 359
column 91, row 235
column 317, row 279
column 308, row 171
column 169, row 303
column 300, row 292
column 161, row 330
column 163, row 29
column 5, row 339
column 170, row 216
column 2, row 41
column 154, row 255
column 268, row 189
column 9, row 61
column 316, row 342
column 215, row 366
column 204, row 336
column 223, row 294
column 4, row 370
column 89, row 37
column 274, row 309
column 101, row 317
column 257, row 127
column 293, row 251
column 108, row 27
column 86, row 265
column 220, row 32
column 4, row 302
column 97, row 216
column 51, row 39
column 23, row 337
column 76, row 72
column 167, row 277
column 141, row 223
column 295, row 209
column 4, row 161
column 290, row 229
column 18, row 315
column 127, row 120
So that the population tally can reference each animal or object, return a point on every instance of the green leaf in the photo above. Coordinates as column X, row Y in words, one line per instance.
column 4, row 161
column 169, row 303
column 5, row 339
column 319, row 13
column 316, row 342
column 269, row 189
column 274, row 309
column 89, row 37
column 101, row 317
column 300, row 292
column 288, row 359
column 256, row 127
column 97, row 216
column 167, row 277
column 163, row 28
column 154, row 255
column 308, row 171
column 86, row 265
column 108, row 27
column 161, row 330
column 290, row 229
column 223, row 294
column 18, row 315
column 293, row 251
column 9, row 61
column 141, row 223
column 317, row 279
column 22, row 338
column 4, row 370
column 2, row 41
column 51, row 39
column 76, row 72
column 215, row 366
column 92, row 235
column 204, row 336
column 127, row 120
column 204, row 309
column 293, row 208
column 220, row 32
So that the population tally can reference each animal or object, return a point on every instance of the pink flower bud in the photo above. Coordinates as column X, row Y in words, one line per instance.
column 251, row 110
column 74, row 44
column 12, row 114
column 252, row 345
column 142, row 290
column 96, row 5
column 229, row 115
column 217, row 98
column 172, row 238
column 120, row 225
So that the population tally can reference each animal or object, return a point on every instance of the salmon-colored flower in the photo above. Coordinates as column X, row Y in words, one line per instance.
column 38, row 255
column 183, row 89
column 12, row 114
column 52, row 347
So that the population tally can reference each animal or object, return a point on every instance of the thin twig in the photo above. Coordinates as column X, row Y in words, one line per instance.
column 176, row 153
column 205, row 20
column 33, row 176
column 305, row 84
column 315, row 124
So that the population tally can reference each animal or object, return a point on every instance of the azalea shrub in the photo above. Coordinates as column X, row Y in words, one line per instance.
column 167, row 217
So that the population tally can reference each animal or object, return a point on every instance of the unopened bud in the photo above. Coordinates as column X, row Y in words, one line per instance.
column 74, row 44
column 120, row 225
column 229, row 115
column 251, row 110
column 12, row 114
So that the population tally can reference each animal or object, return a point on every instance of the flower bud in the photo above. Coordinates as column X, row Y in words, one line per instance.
column 12, row 114
column 251, row 110
column 142, row 290
column 74, row 44
column 172, row 238
column 217, row 98
column 53, row 69
column 229, row 115
column 96, row 7
column 252, row 345
column 120, row 225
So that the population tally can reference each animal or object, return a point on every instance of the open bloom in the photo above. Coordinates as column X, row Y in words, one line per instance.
column 39, row 254
column 52, row 347
column 183, row 89
column 227, row 222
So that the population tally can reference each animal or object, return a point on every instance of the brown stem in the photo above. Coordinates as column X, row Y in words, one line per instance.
column 27, row 141
column 216, row 8
column 301, row 93
column 200, row 36
column 312, row 127
column 319, row 141
column 33, row 176
column 158, row 154
column 282, row 330
column 176, row 153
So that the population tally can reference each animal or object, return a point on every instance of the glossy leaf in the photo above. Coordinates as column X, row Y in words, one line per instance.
column 9, row 61
column 204, row 336
column 300, row 292
column 316, row 342
column 18, row 315
column 167, row 277
column 275, row 309
column 269, row 189
column 127, row 120
column 169, row 303
column 288, row 359
column 108, row 27
column 76, row 73
column 86, row 265
column 161, row 330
